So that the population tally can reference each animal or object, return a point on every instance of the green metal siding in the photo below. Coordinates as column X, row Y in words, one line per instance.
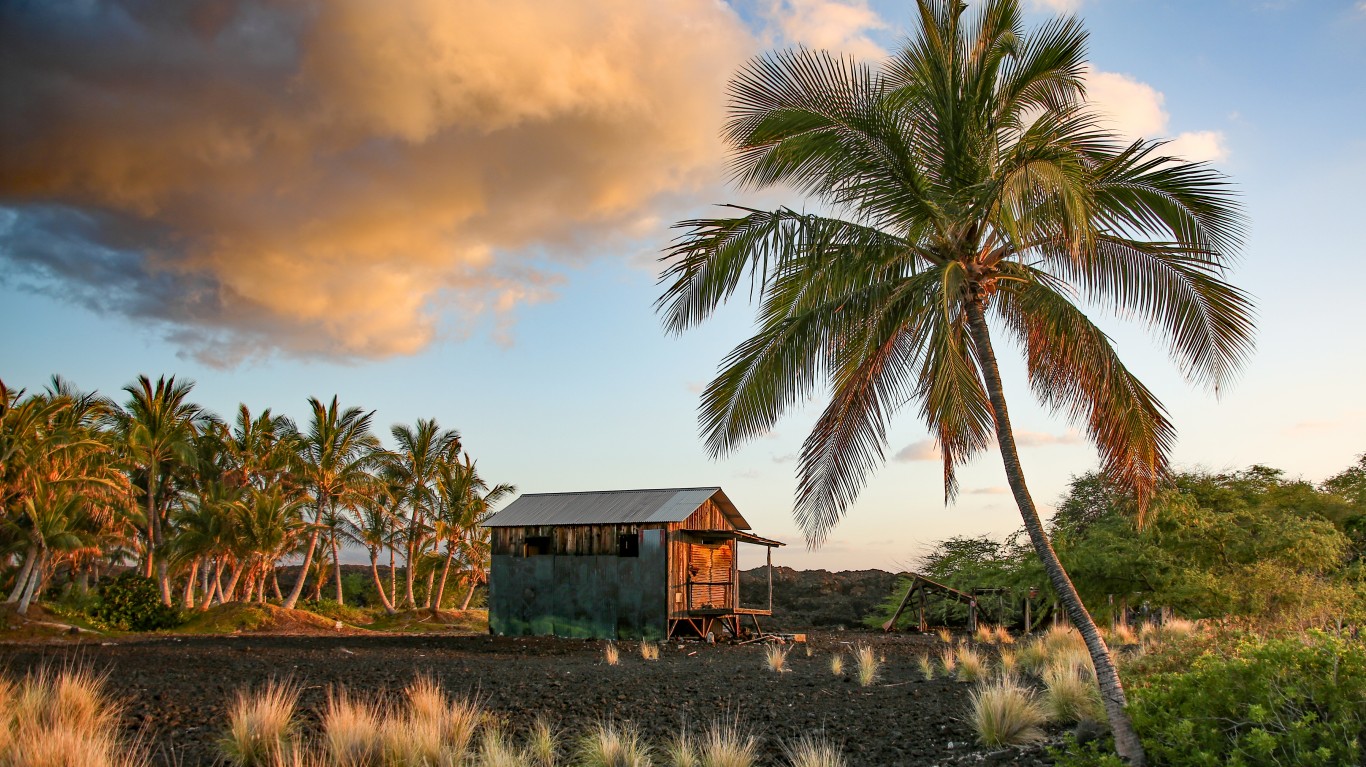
column 596, row 596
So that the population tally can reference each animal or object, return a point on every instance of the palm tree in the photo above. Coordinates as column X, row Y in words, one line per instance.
column 465, row 502
column 375, row 528
column 157, row 426
column 971, row 192
column 336, row 451
column 421, row 453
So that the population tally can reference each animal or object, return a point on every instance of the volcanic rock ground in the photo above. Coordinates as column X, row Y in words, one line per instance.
column 176, row 688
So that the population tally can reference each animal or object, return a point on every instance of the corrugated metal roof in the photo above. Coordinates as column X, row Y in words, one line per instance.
column 613, row 507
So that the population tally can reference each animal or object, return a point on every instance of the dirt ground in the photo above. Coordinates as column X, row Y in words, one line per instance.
column 176, row 688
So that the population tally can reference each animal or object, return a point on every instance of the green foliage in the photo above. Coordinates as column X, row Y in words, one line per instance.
column 1248, row 702
column 328, row 608
column 133, row 603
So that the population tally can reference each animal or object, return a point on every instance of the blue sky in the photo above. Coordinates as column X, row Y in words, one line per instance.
column 501, row 279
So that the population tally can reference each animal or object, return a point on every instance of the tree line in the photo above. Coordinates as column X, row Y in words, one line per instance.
column 210, row 508
column 1250, row 544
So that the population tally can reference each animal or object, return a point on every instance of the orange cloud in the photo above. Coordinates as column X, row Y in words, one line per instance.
column 345, row 178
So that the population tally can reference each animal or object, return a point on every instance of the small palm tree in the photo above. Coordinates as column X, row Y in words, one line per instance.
column 336, row 452
column 157, row 426
column 465, row 501
column 971, row 192
column 420, row 453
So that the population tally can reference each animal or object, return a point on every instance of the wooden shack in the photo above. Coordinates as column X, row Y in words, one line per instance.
column 621, row 564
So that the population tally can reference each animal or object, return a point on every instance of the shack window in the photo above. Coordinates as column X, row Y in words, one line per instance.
column 537, row 545
column 628, row 545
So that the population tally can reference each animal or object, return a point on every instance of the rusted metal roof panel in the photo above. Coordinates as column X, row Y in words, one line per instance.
column 613, row 507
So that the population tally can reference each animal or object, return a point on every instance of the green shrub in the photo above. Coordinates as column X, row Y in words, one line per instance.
column 133, row 603
column 1296, row 700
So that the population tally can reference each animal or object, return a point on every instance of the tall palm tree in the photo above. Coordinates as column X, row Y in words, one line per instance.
column 466, row 501
column 376, row 528
column 971, row 192
column 422, row 450
column 336, row 450
column 157, row 426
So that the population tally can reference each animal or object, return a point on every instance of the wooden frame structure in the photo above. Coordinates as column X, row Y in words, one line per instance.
column 923, row 586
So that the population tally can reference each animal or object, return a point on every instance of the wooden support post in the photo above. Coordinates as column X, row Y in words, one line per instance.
column 972, row 617
column 769, row 549
column 1028, row 608
column 924, row 624
column 889, row 625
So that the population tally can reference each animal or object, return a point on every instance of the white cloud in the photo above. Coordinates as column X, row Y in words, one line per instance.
column 923, row 450
column 839, row 26
column 1057, row 6
column 1038, row 438
column 989, row 491
column 1136, row 110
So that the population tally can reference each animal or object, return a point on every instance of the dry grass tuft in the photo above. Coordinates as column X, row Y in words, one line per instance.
column 63, row 719
column 1007, row 660
column 866, row 665
column 1070, row 695
column 1007, row 714
column 837, row 664
column 1003, row 635
column 611, row 654
column 971, row 665
column 1062, row 638
column 944, row 635
column 353, row 731
column 681, row 751
column 984, row 634
column 614, row 745
column 948, row 658
column 726, row 745
column 1032, row 657
column 261, row 725
column 649, row 651
column 1122, row 634
column 1179, row 627
column 926, row 666
column 496, row 750
column 542, row 744
column 813, row 751
column 775, row 658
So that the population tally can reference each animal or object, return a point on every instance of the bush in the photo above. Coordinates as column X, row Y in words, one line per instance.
column 1251, row 702
column 133, row 603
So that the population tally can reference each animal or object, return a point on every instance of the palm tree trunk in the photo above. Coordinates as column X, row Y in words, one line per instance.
column 298, row 589
column 275, row 582
column 476, row 578
column 379, row 584
column 21, row 580
column 445, row 573
column 35, row 579
column 1127, row 743
column 410, row 571
column 188, row 597
column 336, row 568
column 236, row 576
column 393, row 573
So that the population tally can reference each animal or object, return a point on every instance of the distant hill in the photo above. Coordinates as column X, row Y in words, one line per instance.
column 816, row 598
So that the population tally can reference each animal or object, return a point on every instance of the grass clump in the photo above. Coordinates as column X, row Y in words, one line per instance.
column 775, row 658
column 611, row 654
column 613, row 745
column 984, row 634
column 1004, row 713
column 837, row 664
column 726, row 745
column 866, row 665
column 261, row 725
column 971, row 665
column 496, row 750
column 948, row 659
column 1032, row 657
column 944, row 635
column 1071, row 695
column 1007, row 660
column 352, row 731
column 649, row 651
column 813, row 751
column 926, row 666
column 542, row 747
column 681, row 751
column 1003, row 635
column 63, row 719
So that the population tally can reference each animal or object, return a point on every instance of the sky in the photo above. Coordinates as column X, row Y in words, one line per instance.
column 455, row 210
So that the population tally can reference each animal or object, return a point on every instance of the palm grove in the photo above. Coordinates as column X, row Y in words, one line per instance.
column 210, row 509
column 971, row 193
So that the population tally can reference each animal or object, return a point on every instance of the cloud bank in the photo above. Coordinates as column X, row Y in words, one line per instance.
column 1136, row 110
column 337, row 178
